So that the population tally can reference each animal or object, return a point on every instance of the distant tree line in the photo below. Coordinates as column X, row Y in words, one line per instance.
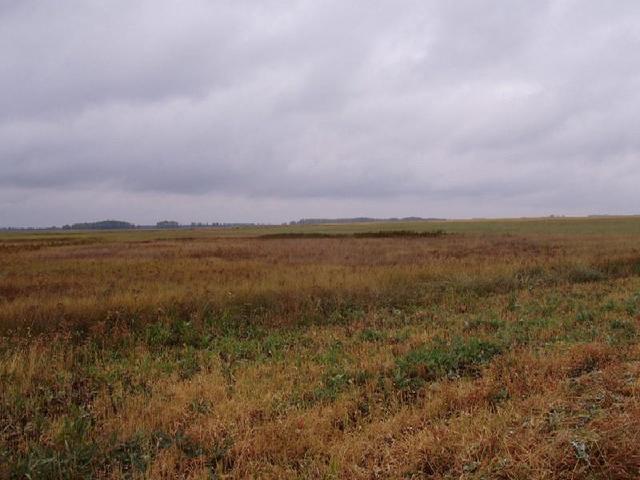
column 174, row 224
column 102, row 225
column 122, row 225
column 167, row 224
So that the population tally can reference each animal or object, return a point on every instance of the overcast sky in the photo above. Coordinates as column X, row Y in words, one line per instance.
column 211, row 110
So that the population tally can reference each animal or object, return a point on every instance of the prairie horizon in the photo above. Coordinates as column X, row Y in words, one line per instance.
column 320, row 239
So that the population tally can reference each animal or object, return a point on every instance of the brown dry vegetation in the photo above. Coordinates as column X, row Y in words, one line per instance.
column 196, row 355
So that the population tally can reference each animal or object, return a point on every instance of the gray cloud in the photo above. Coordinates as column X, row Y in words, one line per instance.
column 272, row 110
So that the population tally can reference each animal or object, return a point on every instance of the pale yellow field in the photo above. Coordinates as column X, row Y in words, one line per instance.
column 503, row 349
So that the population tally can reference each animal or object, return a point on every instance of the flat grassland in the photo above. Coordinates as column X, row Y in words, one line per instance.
column 477, row 349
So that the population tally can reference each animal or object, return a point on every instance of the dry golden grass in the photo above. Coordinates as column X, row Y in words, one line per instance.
column 173, row 355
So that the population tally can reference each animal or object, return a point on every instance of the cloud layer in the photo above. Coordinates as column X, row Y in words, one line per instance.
column 271, row 110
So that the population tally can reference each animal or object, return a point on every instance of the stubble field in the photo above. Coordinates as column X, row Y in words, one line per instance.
column 480, row 349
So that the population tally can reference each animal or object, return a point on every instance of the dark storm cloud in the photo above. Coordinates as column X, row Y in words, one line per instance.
column 278, row 108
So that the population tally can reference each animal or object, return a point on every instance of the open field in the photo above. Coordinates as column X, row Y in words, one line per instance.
column 499, row 349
